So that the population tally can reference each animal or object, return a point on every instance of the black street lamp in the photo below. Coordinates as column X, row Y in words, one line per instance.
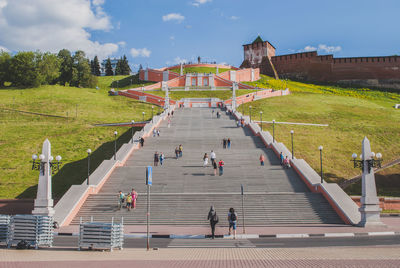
column 89, row 152
column 133, row 121
column 273, row 130
column 261, row 120
column 250, row 112
column 143, row 115
column 115, row 145
column 320, row 156
column 40, row 165
column 291, row 133
column 370, row 163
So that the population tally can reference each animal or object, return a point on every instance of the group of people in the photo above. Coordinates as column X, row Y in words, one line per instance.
column 156, row 132
column 214, row 164
column 240, row 123
column 284, row 161
column 232, row 219
column 218, row 113
column 128, row 199
column 178, row 151
column 158, row 157
column 226, row 143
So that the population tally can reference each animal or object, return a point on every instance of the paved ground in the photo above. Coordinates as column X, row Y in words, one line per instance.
column 183, row 190
column 216, row 257
column 266, row 242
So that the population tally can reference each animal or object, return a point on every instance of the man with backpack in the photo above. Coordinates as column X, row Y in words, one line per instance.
column 232, row 219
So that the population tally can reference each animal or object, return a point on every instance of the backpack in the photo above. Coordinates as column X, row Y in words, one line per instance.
column 233, row 217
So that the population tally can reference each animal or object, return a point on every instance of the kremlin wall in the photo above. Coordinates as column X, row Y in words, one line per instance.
column 375, row 72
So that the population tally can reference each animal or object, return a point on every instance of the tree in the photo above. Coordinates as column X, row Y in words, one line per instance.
column 65, row 66
column 126, row 70
column 109, row 70
column 81, row 74
column 5, row 60
column 96, row 66
column 118, row 67
column 24, row 70
column 48, row 68
column 140, row 68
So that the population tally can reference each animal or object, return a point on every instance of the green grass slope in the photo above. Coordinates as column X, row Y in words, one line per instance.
column 351, row 115
column 22, row 135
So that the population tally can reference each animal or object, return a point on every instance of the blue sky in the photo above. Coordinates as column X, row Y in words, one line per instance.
column 164, row 32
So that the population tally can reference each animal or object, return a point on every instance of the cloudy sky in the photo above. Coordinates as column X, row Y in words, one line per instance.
column 156, row 33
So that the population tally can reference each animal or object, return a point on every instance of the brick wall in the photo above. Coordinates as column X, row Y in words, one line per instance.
column 363, row 71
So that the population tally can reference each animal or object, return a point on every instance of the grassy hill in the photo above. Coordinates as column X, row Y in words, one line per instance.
column 71, row 134
column 351, row 115
column 199, row 70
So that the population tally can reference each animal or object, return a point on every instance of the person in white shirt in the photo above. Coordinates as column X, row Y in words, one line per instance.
column 213, row 157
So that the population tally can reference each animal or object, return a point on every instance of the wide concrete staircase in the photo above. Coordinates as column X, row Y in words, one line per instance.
column 183, row 190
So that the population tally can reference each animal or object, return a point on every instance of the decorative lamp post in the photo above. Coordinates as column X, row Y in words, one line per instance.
column 152, row 113
column 133, row 122
column 369, row 208
column 369, row 163
column 115, row 145
column 291, row 133
column 273, row 130
column 261, row 120
column 250, row 112
column 143, row 115
column 43, row 204
column 89, row 152
column 320, row 157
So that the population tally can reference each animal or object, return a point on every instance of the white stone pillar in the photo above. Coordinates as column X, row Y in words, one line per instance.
column 188, row 81
column 146, row 74
column 44, row 203
column 370, row 211
column 165, row 75
column 217, row 71
column 181, row 72
column 252, row 74
column 211, row 81
column 234, row 88
column 165, row 87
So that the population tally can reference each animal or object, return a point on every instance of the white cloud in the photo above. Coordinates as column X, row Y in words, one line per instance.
column 173, row 16
column 309, row 48
column 4, row 49
column 140, row 52
column 234, row 17
column 51, row 25
column 197, row 3
column 122, row 43
column 322, row 48
column 329, row 49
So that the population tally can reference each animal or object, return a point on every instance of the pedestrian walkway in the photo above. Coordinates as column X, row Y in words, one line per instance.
column 183, row 190
column 214, row 257
column 210, row 243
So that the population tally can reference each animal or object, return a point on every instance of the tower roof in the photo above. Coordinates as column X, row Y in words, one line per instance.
column 258, row 40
